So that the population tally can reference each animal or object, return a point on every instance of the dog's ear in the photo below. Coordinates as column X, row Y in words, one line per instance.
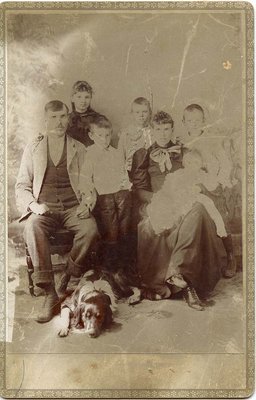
column 106, row 299
column 108, row 317
column 78, row 316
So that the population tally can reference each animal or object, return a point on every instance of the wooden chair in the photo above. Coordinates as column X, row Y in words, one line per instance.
column 60, row 243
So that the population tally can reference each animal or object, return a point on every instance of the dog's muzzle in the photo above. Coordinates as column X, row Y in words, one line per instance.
column 91, row 330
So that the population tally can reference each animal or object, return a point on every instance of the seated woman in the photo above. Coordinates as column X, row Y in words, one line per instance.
column 190, row 247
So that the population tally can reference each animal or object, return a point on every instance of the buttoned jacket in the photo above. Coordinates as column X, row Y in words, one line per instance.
column 33, row 166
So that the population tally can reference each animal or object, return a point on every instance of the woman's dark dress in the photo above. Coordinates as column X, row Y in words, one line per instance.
column 191, row 248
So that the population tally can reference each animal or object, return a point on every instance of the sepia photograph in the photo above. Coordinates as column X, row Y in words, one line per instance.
column 127, row 260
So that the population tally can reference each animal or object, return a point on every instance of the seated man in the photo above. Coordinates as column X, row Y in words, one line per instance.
column 49, row 194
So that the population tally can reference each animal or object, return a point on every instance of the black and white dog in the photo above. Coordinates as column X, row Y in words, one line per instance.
column 89, row 309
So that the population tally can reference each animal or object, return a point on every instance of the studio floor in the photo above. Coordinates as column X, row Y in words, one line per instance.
column 167, row 327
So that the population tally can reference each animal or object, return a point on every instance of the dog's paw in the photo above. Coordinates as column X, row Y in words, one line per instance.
column 135, row 298
column 63, row 332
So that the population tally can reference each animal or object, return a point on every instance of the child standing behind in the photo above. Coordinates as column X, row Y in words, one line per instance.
column 82, row 113
column 105, row 173
column 138, row 134
column 219, row 167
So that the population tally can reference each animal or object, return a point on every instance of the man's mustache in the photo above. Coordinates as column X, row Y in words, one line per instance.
column 58, row 127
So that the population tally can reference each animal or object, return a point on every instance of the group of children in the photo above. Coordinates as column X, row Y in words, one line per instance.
column 108, row 174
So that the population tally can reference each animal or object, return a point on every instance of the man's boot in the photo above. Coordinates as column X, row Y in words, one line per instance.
column 72, row 270
column 230, row 269
column 50, row 306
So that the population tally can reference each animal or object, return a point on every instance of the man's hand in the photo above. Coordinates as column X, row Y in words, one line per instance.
column 39, row 209
column 83, row 211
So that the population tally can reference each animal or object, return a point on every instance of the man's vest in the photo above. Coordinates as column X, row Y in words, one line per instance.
column 56, row 190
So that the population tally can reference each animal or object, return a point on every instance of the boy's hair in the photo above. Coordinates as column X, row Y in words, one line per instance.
column 101, row 122
column 142, row 100
column 82, row 86
column 55, row 105
column 162, row 117
column 191, row 108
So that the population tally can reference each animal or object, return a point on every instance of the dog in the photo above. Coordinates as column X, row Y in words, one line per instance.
column 127, row 284
column 89, row 309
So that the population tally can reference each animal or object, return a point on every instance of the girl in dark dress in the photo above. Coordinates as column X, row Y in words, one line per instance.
column 82, row 113
column 191, row 246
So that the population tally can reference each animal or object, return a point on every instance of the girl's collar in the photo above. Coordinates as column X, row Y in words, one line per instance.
column 169, row 144
column 201, row 133
column 88, row 110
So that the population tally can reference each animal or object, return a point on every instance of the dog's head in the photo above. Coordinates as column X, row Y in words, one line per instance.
column 93, row 314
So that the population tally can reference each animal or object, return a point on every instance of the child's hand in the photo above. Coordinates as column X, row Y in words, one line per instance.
column 89, row 200
column 83, row 211
column 175, row 149
column 220, row 227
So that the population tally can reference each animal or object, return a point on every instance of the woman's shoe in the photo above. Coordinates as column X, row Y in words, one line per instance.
column 191, row 298
column 177, row 280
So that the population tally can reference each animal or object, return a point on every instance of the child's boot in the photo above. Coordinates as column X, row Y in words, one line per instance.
column 230, row 269
column 110, row 257
column 64, row 280
column 125, row 253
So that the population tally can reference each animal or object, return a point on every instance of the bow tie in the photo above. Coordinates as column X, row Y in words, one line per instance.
column 135, row 135
column 163, row 158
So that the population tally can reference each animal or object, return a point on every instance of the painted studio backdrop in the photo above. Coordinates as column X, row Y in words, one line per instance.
column 173, row 59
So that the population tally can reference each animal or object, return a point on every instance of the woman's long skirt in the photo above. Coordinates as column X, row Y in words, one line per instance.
column 192, row 248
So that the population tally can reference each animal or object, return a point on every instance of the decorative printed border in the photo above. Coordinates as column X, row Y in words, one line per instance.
column 250, row 300
column 249, row 17
column 3, row 222
column 140, row 5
